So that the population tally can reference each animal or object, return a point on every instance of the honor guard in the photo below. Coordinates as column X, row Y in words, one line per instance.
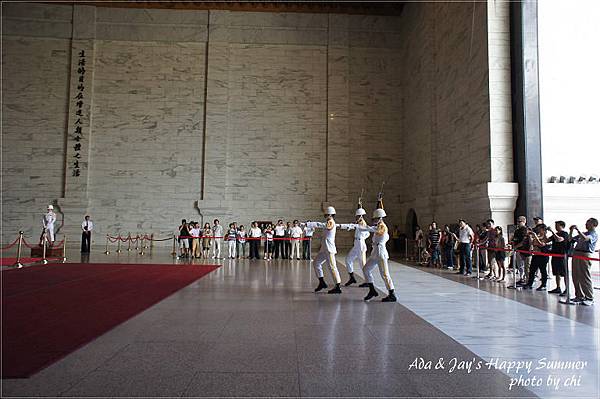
column 379, row 255
column 359, row 249
column 48, row 224
column 327, row 251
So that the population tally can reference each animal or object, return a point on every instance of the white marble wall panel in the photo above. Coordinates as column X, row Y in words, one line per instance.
column 35, row 90
column 147, row 140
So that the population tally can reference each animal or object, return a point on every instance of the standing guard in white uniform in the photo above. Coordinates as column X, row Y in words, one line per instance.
column 379, row 255
column 327, row 251
column 48, row 225
column 359, row 249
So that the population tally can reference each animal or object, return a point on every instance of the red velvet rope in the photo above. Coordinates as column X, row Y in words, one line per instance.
column 9, row 246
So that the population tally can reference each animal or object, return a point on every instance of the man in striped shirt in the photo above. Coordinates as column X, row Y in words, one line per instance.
column 433, row 241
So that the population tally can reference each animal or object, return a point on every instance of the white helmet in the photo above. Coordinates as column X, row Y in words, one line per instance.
column 50, row 208
column 360, row 212
column 379, row 213
column 330, row 210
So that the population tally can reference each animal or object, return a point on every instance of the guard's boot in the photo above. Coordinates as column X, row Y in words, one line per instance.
column 390, row 298
column 364, row 285
column 372, row 292
column 321, row 285
column 335, row 290
column 351, row 281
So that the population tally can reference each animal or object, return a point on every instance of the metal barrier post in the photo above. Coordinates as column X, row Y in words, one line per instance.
column 151, row 241
column 406, row 248
column 65, row 250
column 174, row 251
column 106, row 251
column 477, row 260
column 129, row 240
column 567, row 301
column 118, row 244
column 142, row 245
column 145, row 241
column 137, row 242
column 44, row 260
column 18, row 263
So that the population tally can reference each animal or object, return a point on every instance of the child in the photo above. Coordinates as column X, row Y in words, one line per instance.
column 231, row 240
column 500, row 255
column 268, row 242
column 241, row 240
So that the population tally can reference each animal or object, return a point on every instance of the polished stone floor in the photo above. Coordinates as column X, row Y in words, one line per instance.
column 257, row 329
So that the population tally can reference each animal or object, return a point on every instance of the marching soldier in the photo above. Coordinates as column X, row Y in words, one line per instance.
column 379, row 255
column 359, row 249
column 327, row 251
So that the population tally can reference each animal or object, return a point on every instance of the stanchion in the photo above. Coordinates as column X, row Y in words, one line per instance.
column 129, row 240
column 142, row 245
column 118, row 243
column 567, row 300
column 64, row 259
column 151, row 242
column 18, row 263
column 174, row 251
column 145, row 242
column 106, row 251
column 406, row 248
column 477, row 261
column 137, row 242
column 44, row 260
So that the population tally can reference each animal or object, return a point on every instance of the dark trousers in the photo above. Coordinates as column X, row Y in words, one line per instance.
column 86, row 239
column 449, row 254
column 538, row 262
column 278, row 247
column 287, row 249
column 482, row 260
column 465, row 257
column 254, row 249
column 306, row 249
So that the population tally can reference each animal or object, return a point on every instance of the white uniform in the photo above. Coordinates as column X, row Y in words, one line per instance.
column 217, row 232
column 327, row 251
column 296, row 235
column 48, row 223
column 359, row 249
column 379, row 257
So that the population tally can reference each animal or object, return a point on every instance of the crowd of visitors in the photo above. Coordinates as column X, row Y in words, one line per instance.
column 532, row 248
column 280, row 240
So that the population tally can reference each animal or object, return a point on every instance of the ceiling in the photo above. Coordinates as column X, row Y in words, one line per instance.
column 334, row 7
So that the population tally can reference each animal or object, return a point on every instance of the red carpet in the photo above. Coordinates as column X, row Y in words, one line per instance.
column 49, row 311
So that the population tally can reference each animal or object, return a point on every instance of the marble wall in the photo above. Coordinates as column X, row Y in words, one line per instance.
column 242, row 116
column 457, row 152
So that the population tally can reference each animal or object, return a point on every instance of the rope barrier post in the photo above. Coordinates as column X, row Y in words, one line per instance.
column 477, row 260
column 129, row 240
column 64, row 259
column 106, row 251
column 118, row 244
column 151, row 242
column 145, row 241
column 567, row 300
column 44, row 260
column 142, row 245
column 18, row 263
column 174, row 251
column 405, row 248
column 137, row 242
